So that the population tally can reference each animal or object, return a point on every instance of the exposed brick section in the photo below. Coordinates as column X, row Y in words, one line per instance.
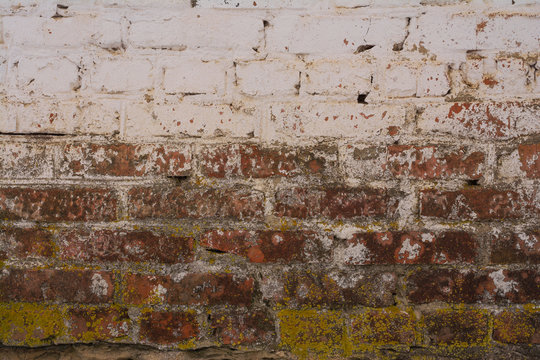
column 261, row 162
column 90, row 160
column 99, row 324
column 451, row 247
column 24, row 243
column 469, row 286
column 517, row 326
column 529, row 156
column 268, row 246
column 160, row 327
column 431, row 162
column 125, row 246
column 189, row 289
column 336, row 290
column 456, row 327
column 195, row 203
column 481, row 204
column 381, row 327
column 518, row 247
column 238, row 328
column 69, row 286
column 55, row 204
column 334, row 203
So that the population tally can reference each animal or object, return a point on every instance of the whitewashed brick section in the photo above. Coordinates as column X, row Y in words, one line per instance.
column 49, row 76
column 292, row 121
column 199, row 29
column 26, row 160
column 120, row 75
column 433, row 81
column 195, row 76
column 333, row 34
column 261, row 4
column 400, row 79
column 337, row 77
column 74, row 31
column 183, row 119
column 259, row 78
column 511, row 32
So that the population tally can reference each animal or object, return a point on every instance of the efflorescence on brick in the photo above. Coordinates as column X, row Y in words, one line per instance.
column 294, row 179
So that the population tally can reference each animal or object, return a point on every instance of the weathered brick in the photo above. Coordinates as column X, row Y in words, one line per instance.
column 243, row 328
column 189, row 289
column 507, row 31
column 124, row 246
column 517, row 326
column 491, row 120
column 434, row 162
column 260, row 78
column 73, row 286
column 471, row 286
column 457, row 327
column 195, row 203
column 251, row 160
column 516, row 247
column 450, row 247
column 432, row 81
column 123, row 75
column 269, row 246
column 334, row 203
column 56, row 204
column 164, row 328
column 93, row 159
column 90, row 324
column 383, row 327
column 400, row 80
column 529, row 155
column 21, row 243
column 26, row 160
column 195, row 76
column 472, row 204
column 48, row 76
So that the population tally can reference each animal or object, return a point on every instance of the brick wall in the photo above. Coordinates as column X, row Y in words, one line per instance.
column 297, row 178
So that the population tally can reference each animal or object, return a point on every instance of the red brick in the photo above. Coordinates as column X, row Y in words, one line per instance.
column 517, row 326
column 91, row 159
column 23, row 243
column 333, row 203
column 181, row 203
column 125, row 245
column 89, row 324
column 529, row 155
column 337, row 290
column 383, row 327
column 191, row 289
column 77, row 286
column 239, row 328
column 166, row 328
column 473, row 204
column 250, row 160
column 518, row 247
column 472, row 286
column 411, row 247
column 79, row 204
column 456, row 327
column 433, row 162
column 268, row 246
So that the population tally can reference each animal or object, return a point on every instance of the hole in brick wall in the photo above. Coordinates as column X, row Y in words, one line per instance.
column 361, row 99
column 63, row 7
column 473, row 182
column 193, row 3
column 216, row 251
column 179, row 179
column 266, row 23
column 363, row 48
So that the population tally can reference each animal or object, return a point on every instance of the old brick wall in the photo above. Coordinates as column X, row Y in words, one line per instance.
column 235, row 179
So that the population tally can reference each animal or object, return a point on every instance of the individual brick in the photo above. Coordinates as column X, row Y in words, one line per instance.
column 168, row 327
column 124, row 246
column 194, row 76
column 58, row 204
column 529, row 155
column 262, row 78
column 516, row 326
column 25, row 160
column 48, row 76
column 383, row 327
column 27, row 242
column 412, row 247
column 122, row 75
column 90, row 324
column 516, row 247
column 195, row 203
column 243, row 328
column 115, row 160
column 432, row 81
column 67, row 286
column 457, row 327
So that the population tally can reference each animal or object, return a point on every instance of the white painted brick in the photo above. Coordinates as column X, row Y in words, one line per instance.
column 120, row 75
column 400, row 80
column 26, row 160
column 332, row 34
column 293, row 121
column 261, row 4
column 509, row 77
column 199, row 29
column 337, row 77
column 195, row 76
column 8, row 122
column 48, row 76
column 147, row 120
column 509, row 32
column 74, row 31
column 433, row 81
column 259, row 78
column 473, row 71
